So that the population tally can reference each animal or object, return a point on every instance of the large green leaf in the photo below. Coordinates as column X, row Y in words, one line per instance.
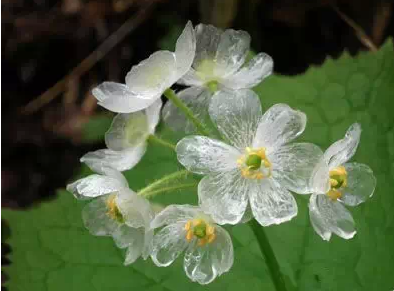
column 52, row 250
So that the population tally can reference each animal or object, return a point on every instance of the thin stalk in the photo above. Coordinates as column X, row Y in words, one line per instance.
column 154, row 139
column 269, row 255
column 169, row 188
column 164, row 180
column 171, row 95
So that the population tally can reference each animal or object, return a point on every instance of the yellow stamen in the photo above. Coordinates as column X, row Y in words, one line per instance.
column 254, row 164
column 334, row 194
column 338, row 180
column 201, row 230
column 189, row 235
column 188, row 225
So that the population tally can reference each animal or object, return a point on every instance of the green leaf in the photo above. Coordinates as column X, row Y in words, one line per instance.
column 52, row 250
column 96, row 127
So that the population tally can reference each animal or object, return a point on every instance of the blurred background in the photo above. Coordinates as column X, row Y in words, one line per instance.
column 55, row 51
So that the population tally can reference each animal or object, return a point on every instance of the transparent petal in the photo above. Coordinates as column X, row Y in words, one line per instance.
column 133, row 252
column 224, row 196
column 280, row 124
column 330, row 216
column 147, row 250
column 119, row 160
column 203, row 155
column 236, row 115
column 168, row 244
column 119, row 98
column 94, row 186
column 153, row 115
column 96, row 219
column 203, row 264
column 361, row 184
column 152, row 76
column 207, row 42
column 125, row 236
column 191, row 78
column 271, row 203
column 255, row 71
column 292, row 165
column 343, row 150
column 248, row 215
column 231, row 52
column 185, row 50
column 197, row 100
column 320, row 179
column 175, row 214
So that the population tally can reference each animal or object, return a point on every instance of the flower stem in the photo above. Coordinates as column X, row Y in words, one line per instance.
column 154, row 139
column 268, row 252
column 169, row 188
column 171, row 95
column 161, row 182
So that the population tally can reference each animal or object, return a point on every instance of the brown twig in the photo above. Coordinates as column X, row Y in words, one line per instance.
column 381, row 20
column 361, row 35
column 84, row 66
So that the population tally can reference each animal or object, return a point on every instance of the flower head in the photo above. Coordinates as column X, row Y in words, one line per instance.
column 126, row 139
column 336, row 183
column 115, row 211
column 208, row 247
column 219, row 64
column 147, row 81
column 259, row 168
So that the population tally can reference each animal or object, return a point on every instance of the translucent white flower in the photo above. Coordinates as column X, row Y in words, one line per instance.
column 116, row 211
column 208, row 247
column 126, row 139
column 336, row 183
column 147, row 81
column 219, row 64
column 259, row 168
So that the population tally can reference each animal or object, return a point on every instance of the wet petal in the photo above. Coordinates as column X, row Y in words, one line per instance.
column 96, row 219
column 224, row 196
column 203, row 264
column 125, row 236
column 292, row 165
column 197, row 100
column 329, row 216
column 134, row 251
column 271, row 203
column 258, row 68
column 153, row 115
column 236, row 115
column 185, row 50
column 280, row 124
column 361, row 184
column 119, row 98
column 152, row 76
column 119, row 160
column 191, row 78
column 175, row 214
column 320, row 179
column 168, row 244
column 341, row 151
column 207, row 41
column 203, row 155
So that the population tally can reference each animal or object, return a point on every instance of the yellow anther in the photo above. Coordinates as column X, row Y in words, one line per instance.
column 211, row 238
column 113, row 210
column 338, row 171
column 210, row 230
column 189, row 235
column 334, row 194
column 333, row 182
column 201, row 230
column 188, row 225
column 254, row 164
column 197, row 222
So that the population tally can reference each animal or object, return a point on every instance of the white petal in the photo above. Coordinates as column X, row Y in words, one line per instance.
column 330, row 216
column 231, row 52
column 185, row 50
column 271, row 203
column 204, row 264
column 133, row 252
column 153, row 115
column 119, row 98
column 258, row 68
column 191, row 78
column 95, row 218
column 175, row 214
column 207, row 41
column 168, row 244
column 341, row 151
column 152, row 76
column 320, row 179
column 197, row 100
column 224, row 196
column 94, row 186
column 361, row 184
column 147, row 250
column 236, row 115
column 203, row 155
column 119, row 160
column 292, row 165
column 280, row 124
column 125, row 236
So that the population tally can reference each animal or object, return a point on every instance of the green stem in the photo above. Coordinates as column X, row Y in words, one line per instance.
column 158, row 140
column 171, row 95
column 169, row 188
column 162, row 181
column 269, row 255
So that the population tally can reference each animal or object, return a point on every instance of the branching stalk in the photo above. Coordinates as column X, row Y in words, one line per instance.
column 163, row 181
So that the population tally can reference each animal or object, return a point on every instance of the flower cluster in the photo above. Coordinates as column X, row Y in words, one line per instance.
column 251, row 172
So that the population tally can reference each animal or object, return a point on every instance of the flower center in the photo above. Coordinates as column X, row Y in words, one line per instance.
column 199, row 228
column 254, row 164
column 113, row 210
column 338, row 180
column 212, row 86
